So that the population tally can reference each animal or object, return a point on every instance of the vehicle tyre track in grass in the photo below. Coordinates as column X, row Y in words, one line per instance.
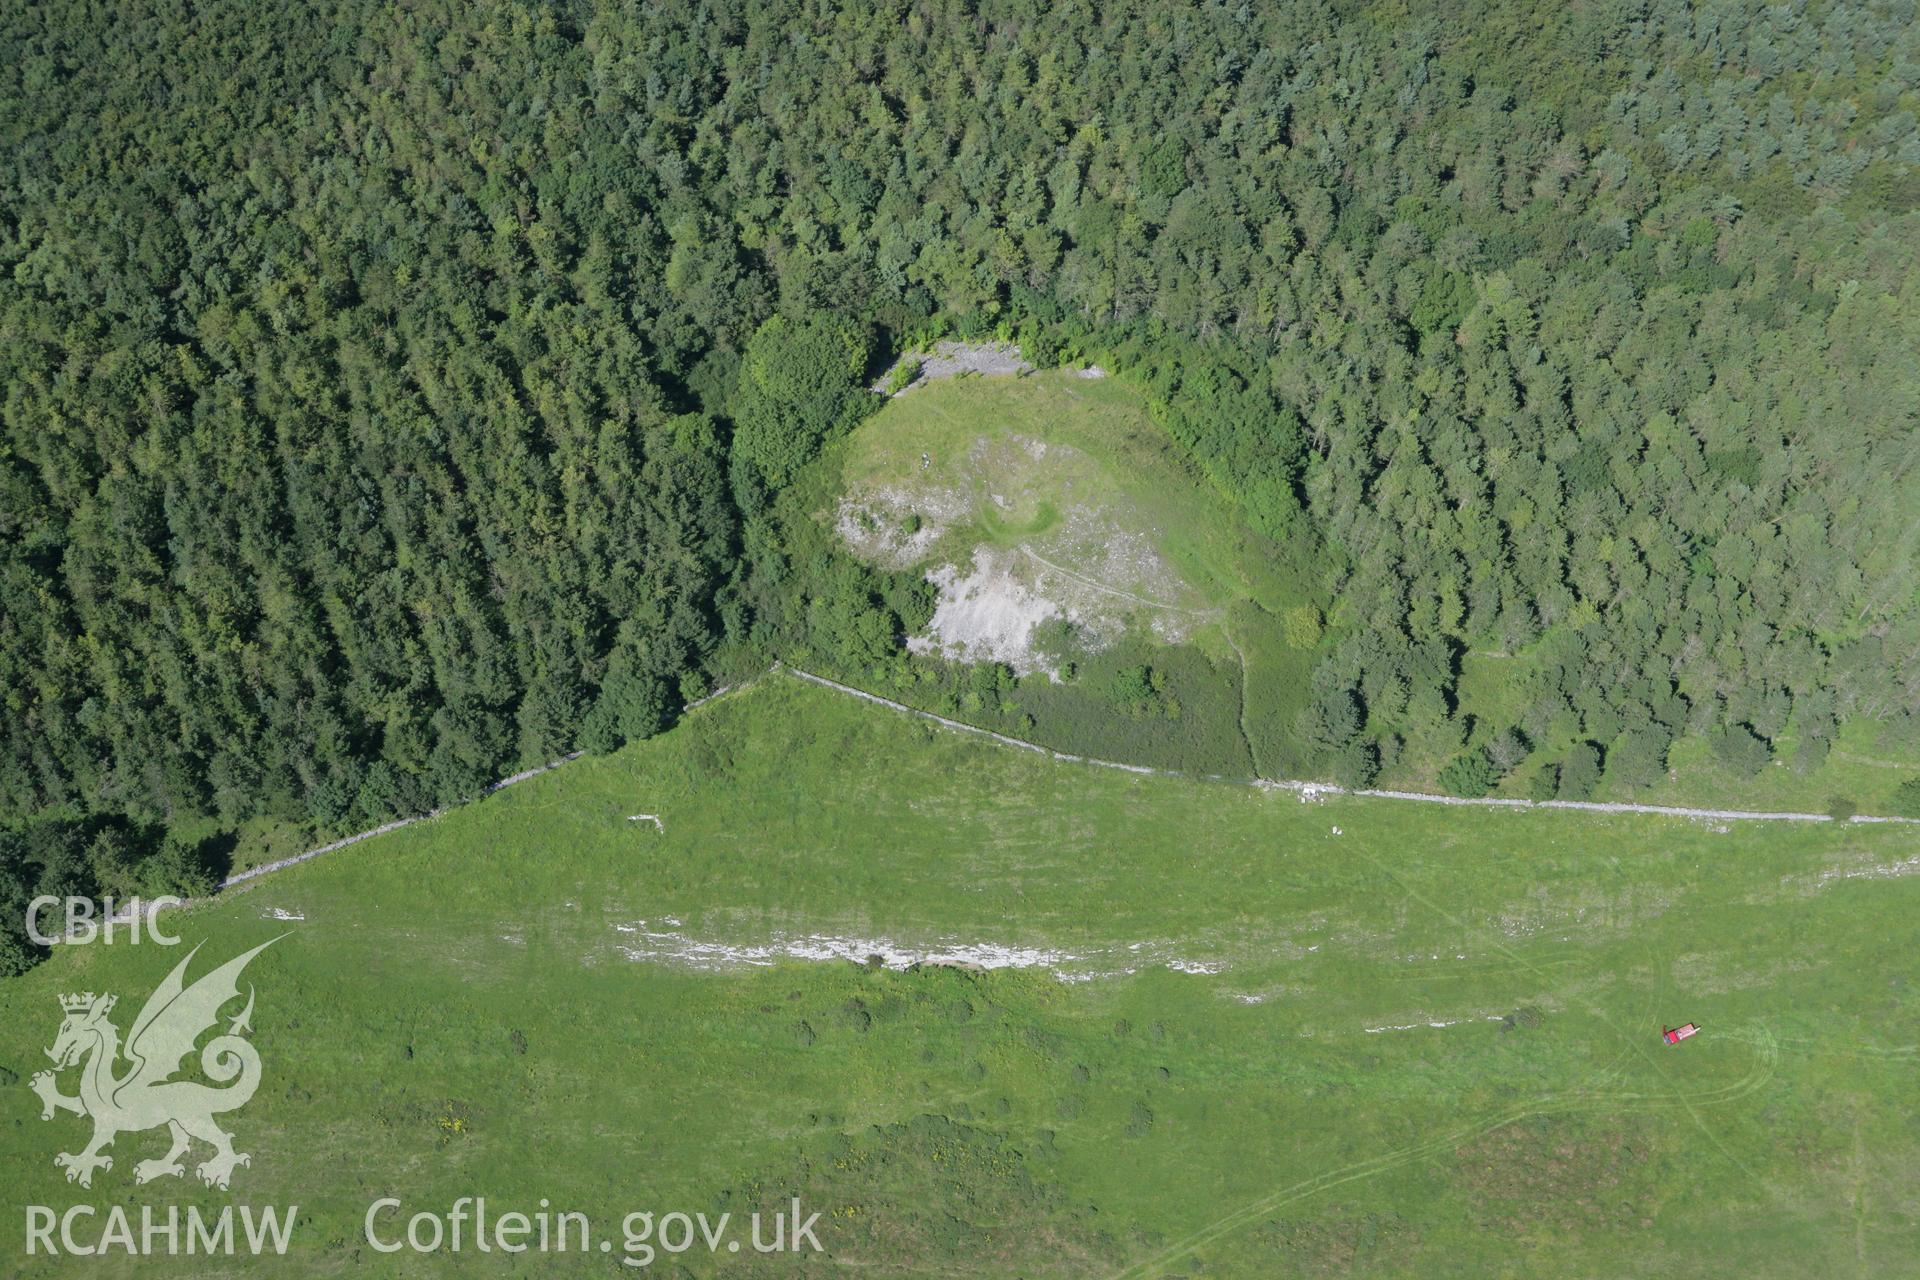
column 1767, row 1050
column 1248, row 1214
column 1594, row 1008
column 1246, row 739
column 1097, row 585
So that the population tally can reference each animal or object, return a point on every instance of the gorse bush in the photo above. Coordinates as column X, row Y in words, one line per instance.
column 1470, row 774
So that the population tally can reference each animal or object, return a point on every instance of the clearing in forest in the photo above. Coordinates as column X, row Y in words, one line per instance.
column 1056, row 519
column 1048, row 496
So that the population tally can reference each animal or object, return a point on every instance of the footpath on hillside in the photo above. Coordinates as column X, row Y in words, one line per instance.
column 1310, row 790
column 1306, row 790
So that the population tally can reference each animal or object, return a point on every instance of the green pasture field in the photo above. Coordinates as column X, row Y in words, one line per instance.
column 1218, row 1063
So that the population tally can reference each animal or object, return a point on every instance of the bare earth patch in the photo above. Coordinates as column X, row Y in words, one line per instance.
column 667, row 941
column 899, row 527
column 988, row 615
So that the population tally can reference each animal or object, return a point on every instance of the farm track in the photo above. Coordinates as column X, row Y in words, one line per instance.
column 1315, row 789
column 1306, row 790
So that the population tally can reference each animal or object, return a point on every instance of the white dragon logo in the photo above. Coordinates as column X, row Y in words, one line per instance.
column 147, row 1096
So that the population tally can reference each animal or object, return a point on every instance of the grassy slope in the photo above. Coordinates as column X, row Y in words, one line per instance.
column 1075, row 1128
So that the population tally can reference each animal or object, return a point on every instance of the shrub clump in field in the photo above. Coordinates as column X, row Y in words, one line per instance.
column 1139, row 691
column 1525, row 1018
column 1357, row 765
column 1301, row 625
column 1580, row 771
column 1469, row 775
column 903, row 375
column 1741, row 751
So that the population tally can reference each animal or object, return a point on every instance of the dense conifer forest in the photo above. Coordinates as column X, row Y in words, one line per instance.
column 395, row 394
